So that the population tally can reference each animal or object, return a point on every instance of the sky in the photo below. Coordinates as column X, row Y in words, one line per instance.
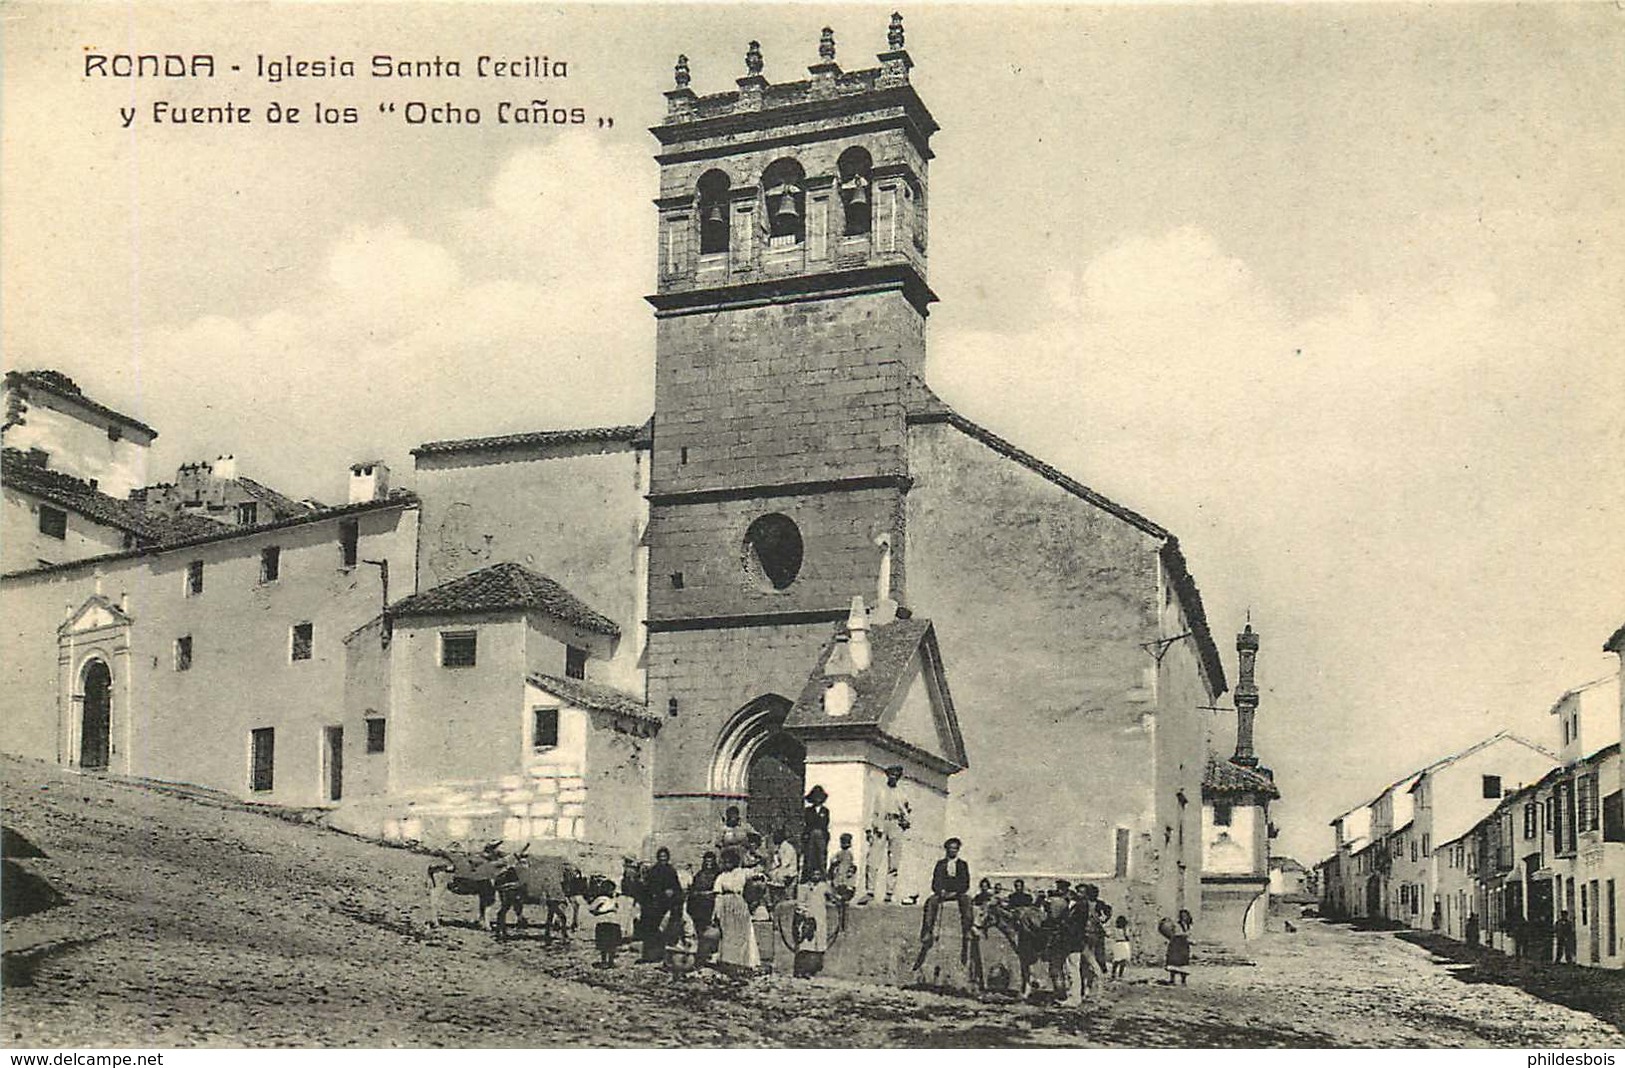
column 1334, row 292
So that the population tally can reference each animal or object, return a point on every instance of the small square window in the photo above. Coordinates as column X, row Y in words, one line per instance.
column 183, row 653
column 1221, row 814
column 194, row 578
column 1492, row 786
column 575, row 662
column 544, row 728
column 270, row 563
column 304, row 635
column 53, row 522
column 375, row 734
column 248, row 513
column 349, row 542
column 458, row 650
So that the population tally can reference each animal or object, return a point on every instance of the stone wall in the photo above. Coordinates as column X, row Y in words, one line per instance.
column 784, row 392
column 1041, row 602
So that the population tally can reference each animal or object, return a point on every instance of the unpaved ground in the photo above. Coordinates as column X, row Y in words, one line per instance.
column 193, row 923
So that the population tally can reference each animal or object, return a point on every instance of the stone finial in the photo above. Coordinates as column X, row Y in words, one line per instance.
column 826, row 45
column 894, row 33
column 753, row 59
column 680, row 72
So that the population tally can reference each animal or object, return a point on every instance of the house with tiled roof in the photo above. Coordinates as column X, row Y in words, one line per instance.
column 53, row 517
column 490, row 694
column 51, row 419
column 201, row 652
column 216, row 491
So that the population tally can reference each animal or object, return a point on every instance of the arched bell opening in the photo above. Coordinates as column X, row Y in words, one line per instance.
column 784, row 191
column 857, row 198
column 712, row 191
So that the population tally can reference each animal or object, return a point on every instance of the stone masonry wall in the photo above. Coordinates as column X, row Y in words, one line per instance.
column 1041, row 602
column 713, row 674
column 783, row 393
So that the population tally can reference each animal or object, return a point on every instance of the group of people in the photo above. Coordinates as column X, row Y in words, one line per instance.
column 718, row 913
column 1556, row 943
column 1076, row 932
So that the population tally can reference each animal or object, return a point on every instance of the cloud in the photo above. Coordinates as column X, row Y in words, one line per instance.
column 524, row 314
column 1412, row 464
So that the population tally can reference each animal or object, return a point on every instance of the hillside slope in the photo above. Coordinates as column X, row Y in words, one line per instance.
column 192, row 920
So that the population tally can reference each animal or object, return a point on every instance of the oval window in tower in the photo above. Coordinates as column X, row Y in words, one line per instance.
column 773, row 550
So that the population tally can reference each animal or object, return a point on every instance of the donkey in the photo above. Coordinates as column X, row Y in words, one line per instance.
column 1029, row 937
column 470, row 874
column 540, row 880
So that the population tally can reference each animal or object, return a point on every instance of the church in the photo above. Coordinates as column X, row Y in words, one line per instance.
column 804, row 569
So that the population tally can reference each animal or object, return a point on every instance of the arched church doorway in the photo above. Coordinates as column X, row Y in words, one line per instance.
column 774, row 784
column 96, row 727
column 760, row 763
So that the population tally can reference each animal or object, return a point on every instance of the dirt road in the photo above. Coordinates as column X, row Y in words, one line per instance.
column 195, row 923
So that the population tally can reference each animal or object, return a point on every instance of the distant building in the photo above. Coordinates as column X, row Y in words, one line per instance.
column 214, row 490
column 1291, row 883
column 1390, row 870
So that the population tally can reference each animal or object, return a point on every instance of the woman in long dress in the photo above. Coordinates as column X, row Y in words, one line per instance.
column 738, row 951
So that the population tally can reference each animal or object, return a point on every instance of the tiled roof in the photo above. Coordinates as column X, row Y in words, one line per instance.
column 635, row 435
column 591, row 695
column 1222, row 777
column 892, row 649
column 504, row 587
column 281, row 504
column 66, row 491
column 924, row 406
column 60, row 384
column 204, row 531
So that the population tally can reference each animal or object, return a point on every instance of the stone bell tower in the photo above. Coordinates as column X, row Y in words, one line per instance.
column 790, row 307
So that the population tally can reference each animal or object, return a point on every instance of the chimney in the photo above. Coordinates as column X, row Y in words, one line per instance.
column 369, row 481
column 857, row 625
column 838, row 672
column 225, row 468
column 1246, row 697
column 885, row 609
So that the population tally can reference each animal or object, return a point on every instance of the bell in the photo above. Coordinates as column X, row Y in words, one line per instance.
column 859, row 197
column 786, row 210
column 714, row 215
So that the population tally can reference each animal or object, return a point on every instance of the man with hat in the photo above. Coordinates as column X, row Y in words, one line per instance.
column 950, row 881
column 883, row 836
column 814, row 834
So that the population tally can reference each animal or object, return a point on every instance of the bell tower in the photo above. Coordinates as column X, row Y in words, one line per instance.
column 790, row 307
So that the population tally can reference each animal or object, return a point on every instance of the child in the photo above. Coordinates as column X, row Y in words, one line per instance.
column 682, row 943
column 1122, row 948
column 604, row 910
column 843, row 871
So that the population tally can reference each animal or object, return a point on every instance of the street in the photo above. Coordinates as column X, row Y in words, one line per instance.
column 195, row 922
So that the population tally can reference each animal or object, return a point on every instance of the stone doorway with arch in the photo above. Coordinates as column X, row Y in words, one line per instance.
column 762, row 766
column 93, row 658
